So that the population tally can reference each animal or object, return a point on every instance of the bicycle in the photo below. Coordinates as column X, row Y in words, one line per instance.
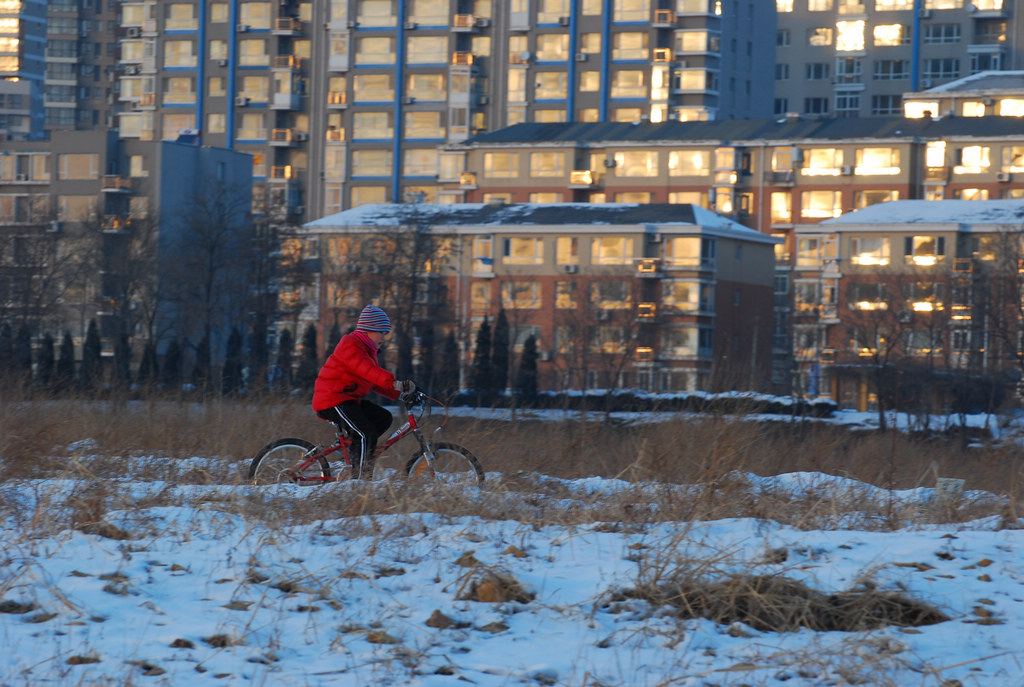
column 298, row 461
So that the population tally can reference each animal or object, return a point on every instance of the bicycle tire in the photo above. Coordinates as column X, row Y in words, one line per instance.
column 274, row 462
column 453, row 464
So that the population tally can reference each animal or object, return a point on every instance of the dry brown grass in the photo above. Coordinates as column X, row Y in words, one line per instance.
column 211, row 443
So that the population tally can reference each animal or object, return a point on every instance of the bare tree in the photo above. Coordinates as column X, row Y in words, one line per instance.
column 204, row 275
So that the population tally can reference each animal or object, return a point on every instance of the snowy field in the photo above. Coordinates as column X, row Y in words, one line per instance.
column 200, row 592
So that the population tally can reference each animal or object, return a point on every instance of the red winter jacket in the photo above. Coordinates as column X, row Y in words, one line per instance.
column 350, row 373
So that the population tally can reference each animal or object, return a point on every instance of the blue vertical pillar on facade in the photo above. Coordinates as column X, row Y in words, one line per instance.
column 570, row 100
column 915, row 46
column 232, row 61
column 396, row 162
column 200, row 71
column 606, row 57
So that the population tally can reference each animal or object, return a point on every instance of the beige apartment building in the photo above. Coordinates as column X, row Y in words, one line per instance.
column 658, row 297
column 776, row 176
column 910, row 298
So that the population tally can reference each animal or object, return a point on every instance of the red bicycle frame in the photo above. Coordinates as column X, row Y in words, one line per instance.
column 411, row 426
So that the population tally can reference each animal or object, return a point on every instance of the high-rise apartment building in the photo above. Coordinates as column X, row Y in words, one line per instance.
column 346, row 102
column 80, row 79
column 22, row 31
column 856, row 58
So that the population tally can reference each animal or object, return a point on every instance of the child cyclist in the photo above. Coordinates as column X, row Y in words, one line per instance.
column 349, row 375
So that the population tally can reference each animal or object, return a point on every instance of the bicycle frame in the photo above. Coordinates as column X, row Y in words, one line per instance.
column 411, row 426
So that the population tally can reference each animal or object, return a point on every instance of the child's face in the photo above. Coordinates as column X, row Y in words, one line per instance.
column 377, row 337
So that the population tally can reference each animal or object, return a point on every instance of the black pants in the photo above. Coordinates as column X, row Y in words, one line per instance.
column 365, row 422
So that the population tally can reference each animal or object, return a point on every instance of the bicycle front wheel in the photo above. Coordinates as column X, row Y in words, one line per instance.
column 452, row 464
column 278, row 463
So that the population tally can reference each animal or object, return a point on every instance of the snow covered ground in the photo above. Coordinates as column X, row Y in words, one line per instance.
column 202, row 593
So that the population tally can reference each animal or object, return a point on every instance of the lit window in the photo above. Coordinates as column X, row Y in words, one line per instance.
column 863, row 199
column 501, row 165
column 781, row 207
column 629, row 46
column 1011, row 107
column 376, row 13
column 924, row 251
column 420, row 162
column 821, row 204
column 878, row 161
column 547, row 164
column 888, row 34
column 565, row 295
column 850, row 35
column 371, row 126
column 552, row 47
column 629, row 83
column 973, row 160
column 371, row 163
column 375, row 50
column 1013, row 159
column 685, row 163
column 870, row 250
column 427, row 49
column 679, row 342
column 421, row 125
column 520, row 295
column 636, row 163
column 819, row 37
column 822, row 162
column 611, row 250
column 567, row 250
column 522, row 251
column 550, row 85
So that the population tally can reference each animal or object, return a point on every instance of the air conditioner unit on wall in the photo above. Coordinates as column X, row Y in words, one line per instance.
column 581, row 57
column 563, row 21
column 133, row 32
column 243, row 28
column 571, row 269
column 242, row 101
column 483, row 22
column 1002, row 177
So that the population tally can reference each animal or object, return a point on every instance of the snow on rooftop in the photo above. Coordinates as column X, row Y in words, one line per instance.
column 936, row 212
column 393, row 214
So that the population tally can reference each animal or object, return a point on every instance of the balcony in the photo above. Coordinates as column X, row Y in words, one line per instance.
column 282, row 137
column 464, row 59
column 786, row 177
column 646, row 311
column 939, row 174
column 467, row 180
column 281, row 173
column 581, row 178
column 115, row 184
column 286, row 101
column 335, row 136
column 147, row 101
column 286, row 63
column 649, row 268
column 664, row 19
column 662, row 55
column 464, row 23
column 644, row 354
column 337, row 100
column 287, row 26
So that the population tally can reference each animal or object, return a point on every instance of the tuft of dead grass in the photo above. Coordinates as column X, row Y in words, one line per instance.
column 774, row 603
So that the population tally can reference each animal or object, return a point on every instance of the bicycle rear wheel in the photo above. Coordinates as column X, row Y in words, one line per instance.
column 453, row 464
column 278, row 463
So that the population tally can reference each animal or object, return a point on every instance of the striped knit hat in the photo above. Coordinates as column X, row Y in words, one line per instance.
column 373, row 319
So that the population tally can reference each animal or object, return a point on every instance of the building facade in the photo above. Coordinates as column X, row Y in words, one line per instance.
column 659, row 297
column 344, row 103
column 90, row 227
column 910, row 288
column 856, row 58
